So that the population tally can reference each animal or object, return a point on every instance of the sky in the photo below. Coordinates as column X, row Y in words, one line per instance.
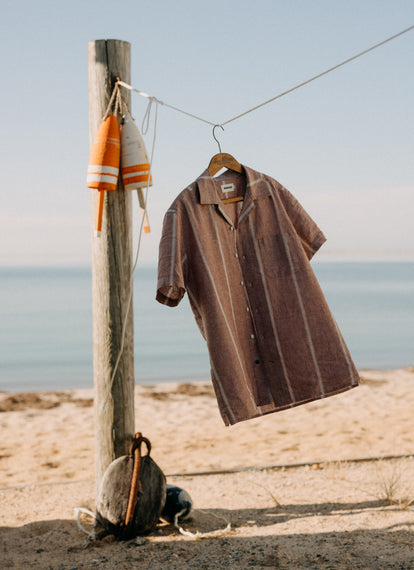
column 343, row 145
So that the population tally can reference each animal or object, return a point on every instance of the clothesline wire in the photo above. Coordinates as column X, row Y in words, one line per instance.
column 116, row 98
column 155, row 99
column 318, row 76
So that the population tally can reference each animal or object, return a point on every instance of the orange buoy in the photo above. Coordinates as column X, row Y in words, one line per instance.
column 135, row 166
column 103, row 168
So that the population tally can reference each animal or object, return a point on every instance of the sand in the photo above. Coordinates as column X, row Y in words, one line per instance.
column 326, row 485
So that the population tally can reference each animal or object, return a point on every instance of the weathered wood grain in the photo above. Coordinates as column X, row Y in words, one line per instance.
column 111, row 271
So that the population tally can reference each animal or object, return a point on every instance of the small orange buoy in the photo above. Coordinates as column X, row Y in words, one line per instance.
column 135, row 165
column 103, row 168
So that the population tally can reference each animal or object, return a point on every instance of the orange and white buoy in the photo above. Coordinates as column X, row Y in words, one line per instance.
column 103, row 168
column 135, row 166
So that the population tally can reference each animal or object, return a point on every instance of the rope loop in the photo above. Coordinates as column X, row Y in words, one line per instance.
column 113, row 99
column 147, row 115
column 136, row 444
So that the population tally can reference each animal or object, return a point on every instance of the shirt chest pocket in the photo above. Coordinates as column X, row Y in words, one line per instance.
column 280, row 255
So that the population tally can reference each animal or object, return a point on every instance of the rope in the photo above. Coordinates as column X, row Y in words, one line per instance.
column 147, row 115
column 296, row 465
column 145, row 125
column 197, row 535
column 120, row 102
column 231, row 470
column 78, row 512
column 318, row 76
column 131, row 277
column 143, row 94
column 298, row 86
column 111, row 100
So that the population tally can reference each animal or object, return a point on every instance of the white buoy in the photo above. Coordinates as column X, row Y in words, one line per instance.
column 135, row 166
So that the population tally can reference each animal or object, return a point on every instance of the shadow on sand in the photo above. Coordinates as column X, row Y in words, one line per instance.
column 60, row 545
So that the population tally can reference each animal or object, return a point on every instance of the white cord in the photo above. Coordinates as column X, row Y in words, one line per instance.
column 318, row 76
column 131, row 277
column 197, row 535
column 143, row 94
column 78, row 512
column 145, row 126
column 111, row 100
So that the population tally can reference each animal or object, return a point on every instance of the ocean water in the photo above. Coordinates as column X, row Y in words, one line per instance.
column 46, row 324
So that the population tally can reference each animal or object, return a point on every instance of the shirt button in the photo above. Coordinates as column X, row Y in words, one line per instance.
column 252, row 336
column 236, row 255
column 241, row 282
column 247, row 309
column 231, row 228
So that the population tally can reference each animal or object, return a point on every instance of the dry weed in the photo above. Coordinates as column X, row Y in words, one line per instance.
column 388, row 481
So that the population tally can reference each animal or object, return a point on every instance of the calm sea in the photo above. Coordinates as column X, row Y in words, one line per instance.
column 46, row 324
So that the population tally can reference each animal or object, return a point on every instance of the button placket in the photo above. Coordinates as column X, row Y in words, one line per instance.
column 250, row 312
column 254, row 353
column 248, row 308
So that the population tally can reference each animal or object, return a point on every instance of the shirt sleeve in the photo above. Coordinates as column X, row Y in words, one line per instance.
column 172, row 260
column 310, row 235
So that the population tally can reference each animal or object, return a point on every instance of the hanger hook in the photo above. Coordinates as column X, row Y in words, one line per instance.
column 214, row 136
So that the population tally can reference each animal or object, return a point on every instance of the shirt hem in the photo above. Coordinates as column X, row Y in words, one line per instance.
column 288, row 406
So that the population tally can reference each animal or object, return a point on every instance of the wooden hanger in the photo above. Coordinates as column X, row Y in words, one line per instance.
column 224, row 160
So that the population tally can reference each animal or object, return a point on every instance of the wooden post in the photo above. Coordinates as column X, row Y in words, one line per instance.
column 111, row 272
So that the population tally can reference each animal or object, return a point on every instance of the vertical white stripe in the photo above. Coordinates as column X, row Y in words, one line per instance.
column 203, row 257
column 348, row 360
column 246, row 212
column 223, row 394
column 174, row 245
column 270, row 310
column 213, row 368
column 211, row 208
column 196, row 306
column 225, row 216
column 302, row 308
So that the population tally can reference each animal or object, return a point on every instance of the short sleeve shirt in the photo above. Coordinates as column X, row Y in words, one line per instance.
column 272, row 340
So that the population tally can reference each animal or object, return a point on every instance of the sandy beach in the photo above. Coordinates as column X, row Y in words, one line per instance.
column 326, row 485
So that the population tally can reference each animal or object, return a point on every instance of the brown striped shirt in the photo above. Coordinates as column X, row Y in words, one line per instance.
column 272, row 340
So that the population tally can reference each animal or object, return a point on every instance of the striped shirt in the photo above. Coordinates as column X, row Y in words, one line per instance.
column 272, row 340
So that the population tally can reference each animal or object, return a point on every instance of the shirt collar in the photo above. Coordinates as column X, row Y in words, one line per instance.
column 256, row 186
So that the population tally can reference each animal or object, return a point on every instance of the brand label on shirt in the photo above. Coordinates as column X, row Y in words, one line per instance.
column 227, row 187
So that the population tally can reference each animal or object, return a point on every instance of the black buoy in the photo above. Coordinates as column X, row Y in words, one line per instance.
column 178, row 502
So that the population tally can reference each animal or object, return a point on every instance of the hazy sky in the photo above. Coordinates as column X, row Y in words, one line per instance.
column 343, row 145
